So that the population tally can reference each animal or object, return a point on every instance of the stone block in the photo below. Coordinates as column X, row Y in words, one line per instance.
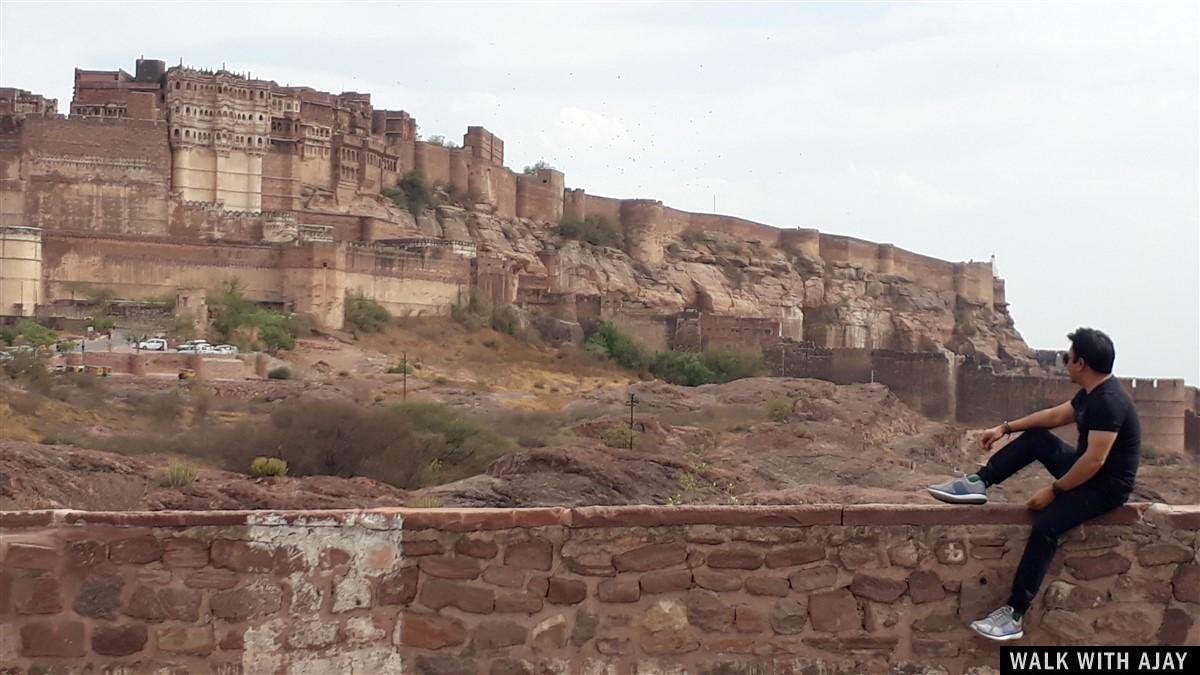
column 550, row 634
column 37, row 595
column 562, row 591
column 532, row 554
column 706, row 611
column 314, row 634
column 770, row 586
column 362, row 630
column 834, row 612
column 439, row 593
column 492, row 635
column 788, row 616
column 905, row 554
column 350, row 593
column 333, row 557
column 938, row 622
column 1068, row 626
column 476, row 547
column 120, row 640
column 32, row 557
column 792, row 556
column 135, row 550
column 84, row 553
column 988, row 552
column 508, row 577
column 925, row 586
column 877, row 588
column 1063, row 595
column 934, row 648
column 242, row 556
column 669, row 642
column 99, row 596
column 814, row 578
column 53, row 639
column 518, row 603
column 195, row 640
column 539, row 586
column 259, row 599
column 590, row 563
column 858, row 556
column 1175, row 625
column 1152, row 555
column 857, row 644
column 445, row 664
column 749, row 619
column 666, row 581
column 164, row 604
column 507, row 666
column 717, row 581
column 1097, row 566
column 420, row 547
column 450, row 568
column 1186, row 583
column 735, row 558
column 951, row 552
column 184, row 552
column 1128, row 588
column 981, row 594
column 614, row 646
column 665, row 615
column 586, row 624
column 429, row 631
column 651, row 557
column 878, row 617
column 398, row 588
column 618, row 590
column 1130, row 626
column 211, row 578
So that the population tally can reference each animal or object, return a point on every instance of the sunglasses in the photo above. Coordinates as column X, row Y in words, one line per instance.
column 1066, row 357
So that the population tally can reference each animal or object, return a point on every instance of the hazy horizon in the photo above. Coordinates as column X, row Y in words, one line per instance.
column 1063, row 139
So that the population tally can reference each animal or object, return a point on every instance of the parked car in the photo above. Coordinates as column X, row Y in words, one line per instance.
column 192, row 346
column 227, row 350
column 153, row 345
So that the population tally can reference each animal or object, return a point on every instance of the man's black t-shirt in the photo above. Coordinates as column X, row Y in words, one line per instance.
column 1108, row 408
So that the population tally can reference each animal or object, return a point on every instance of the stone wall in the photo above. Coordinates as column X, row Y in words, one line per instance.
column 939, row 387
column 823, row 588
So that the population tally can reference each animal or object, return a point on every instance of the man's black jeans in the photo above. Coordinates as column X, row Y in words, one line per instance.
column 1068, row 509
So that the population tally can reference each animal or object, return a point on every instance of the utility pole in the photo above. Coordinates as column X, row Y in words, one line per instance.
column 404, row 374
column 631, row 403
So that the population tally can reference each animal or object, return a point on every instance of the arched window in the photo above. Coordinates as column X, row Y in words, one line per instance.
column 177, row 85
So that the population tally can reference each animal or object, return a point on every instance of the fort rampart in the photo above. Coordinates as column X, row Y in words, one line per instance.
column 823, row 588
column 940, row 387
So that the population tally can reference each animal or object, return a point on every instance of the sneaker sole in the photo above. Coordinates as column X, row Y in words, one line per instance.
column 956, row 499
column 999, row 638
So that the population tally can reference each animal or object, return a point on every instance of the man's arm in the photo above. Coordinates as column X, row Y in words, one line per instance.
column 1099, row 444
column 1050, row 418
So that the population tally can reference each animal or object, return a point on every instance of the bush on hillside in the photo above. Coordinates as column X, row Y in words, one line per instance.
column 364, row 315
column 594, row 229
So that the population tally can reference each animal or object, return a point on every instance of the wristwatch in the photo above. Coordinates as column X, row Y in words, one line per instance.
column 1055, row 489
column 1007, row 427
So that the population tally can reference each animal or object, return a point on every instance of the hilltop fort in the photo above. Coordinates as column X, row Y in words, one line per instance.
column 170, row 180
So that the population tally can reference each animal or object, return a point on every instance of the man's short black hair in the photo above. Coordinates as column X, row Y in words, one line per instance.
column 1095, row 348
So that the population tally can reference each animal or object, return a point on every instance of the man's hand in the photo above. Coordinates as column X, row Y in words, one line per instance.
column 1041, row 499
column 989, row 437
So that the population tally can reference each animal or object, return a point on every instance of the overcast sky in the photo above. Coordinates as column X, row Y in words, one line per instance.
column 1062, row 138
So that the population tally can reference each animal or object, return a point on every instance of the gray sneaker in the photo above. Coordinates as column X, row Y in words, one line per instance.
column 999, row 625
column 959, row 491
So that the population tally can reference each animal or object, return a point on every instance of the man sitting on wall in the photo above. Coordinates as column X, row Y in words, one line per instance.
column 1093, row 478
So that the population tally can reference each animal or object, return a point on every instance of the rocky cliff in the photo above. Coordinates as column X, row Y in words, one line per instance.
column 828, row 303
